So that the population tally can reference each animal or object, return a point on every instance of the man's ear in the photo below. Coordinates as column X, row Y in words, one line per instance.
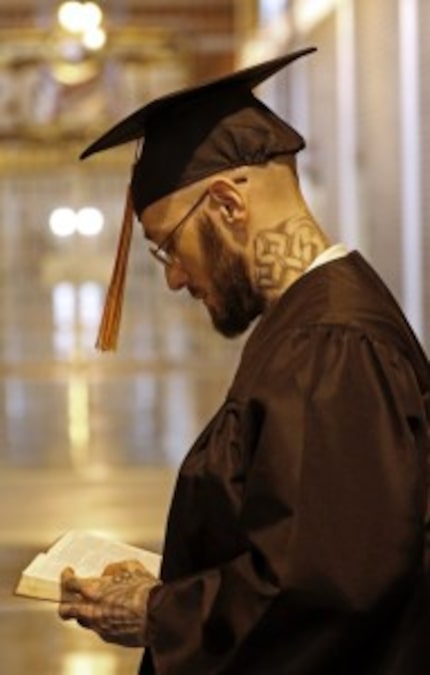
column 231, row 206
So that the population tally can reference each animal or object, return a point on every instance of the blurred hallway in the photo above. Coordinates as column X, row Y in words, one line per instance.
column 88, row 440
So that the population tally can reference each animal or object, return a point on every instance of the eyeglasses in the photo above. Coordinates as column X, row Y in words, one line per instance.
column 161, row 252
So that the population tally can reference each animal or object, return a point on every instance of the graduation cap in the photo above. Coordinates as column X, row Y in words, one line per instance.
column 186, row 136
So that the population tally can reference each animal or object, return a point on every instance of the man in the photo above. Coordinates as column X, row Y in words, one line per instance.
column 297, row 532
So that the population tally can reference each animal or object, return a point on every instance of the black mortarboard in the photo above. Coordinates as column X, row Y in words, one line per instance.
column 191, row 134
column 195, row 132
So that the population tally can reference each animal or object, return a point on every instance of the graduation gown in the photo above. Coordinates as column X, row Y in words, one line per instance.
column 296, row 537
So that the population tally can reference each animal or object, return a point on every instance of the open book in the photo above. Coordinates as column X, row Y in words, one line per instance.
column 87, row 553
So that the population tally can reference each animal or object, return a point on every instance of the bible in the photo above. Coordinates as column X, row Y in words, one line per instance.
column 87, row 553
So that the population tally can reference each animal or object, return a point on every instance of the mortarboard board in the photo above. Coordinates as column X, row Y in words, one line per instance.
column 189, row 135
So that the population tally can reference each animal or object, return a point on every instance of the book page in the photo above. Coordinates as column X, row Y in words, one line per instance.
column 87, row 553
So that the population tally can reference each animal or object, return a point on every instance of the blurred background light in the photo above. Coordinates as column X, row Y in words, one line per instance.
column 62, row 222
column 94, row 39
column 78, row 17
column 89, row 221
column 308, row 13
column 70, row 16
column 92, row 15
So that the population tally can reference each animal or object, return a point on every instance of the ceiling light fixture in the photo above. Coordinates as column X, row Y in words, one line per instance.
column 83, row 19
column 79, row 17
column 65, row 222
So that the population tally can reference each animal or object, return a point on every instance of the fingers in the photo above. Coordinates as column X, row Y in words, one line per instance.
column 67, row 611
column 86, row 615
column 69, row 582
column 118, row 568
column 74, row 589
column 113, row 605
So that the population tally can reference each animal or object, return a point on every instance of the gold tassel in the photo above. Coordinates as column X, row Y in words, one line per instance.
column 110, row 323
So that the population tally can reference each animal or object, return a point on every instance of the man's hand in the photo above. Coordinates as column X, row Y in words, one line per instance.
column 113, row 605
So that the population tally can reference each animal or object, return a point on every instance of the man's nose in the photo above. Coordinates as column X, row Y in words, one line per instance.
column 176, row 277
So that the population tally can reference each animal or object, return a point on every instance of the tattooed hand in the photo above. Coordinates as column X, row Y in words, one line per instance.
column 113, row 605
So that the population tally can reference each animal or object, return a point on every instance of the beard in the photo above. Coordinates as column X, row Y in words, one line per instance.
column 237, row 302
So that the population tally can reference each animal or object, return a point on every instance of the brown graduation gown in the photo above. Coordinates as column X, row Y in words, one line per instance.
column 296, row 537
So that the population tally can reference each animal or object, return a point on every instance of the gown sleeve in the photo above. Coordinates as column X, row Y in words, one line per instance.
column 332, row 512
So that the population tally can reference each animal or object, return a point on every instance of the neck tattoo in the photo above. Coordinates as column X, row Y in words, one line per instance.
column 283, row 253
